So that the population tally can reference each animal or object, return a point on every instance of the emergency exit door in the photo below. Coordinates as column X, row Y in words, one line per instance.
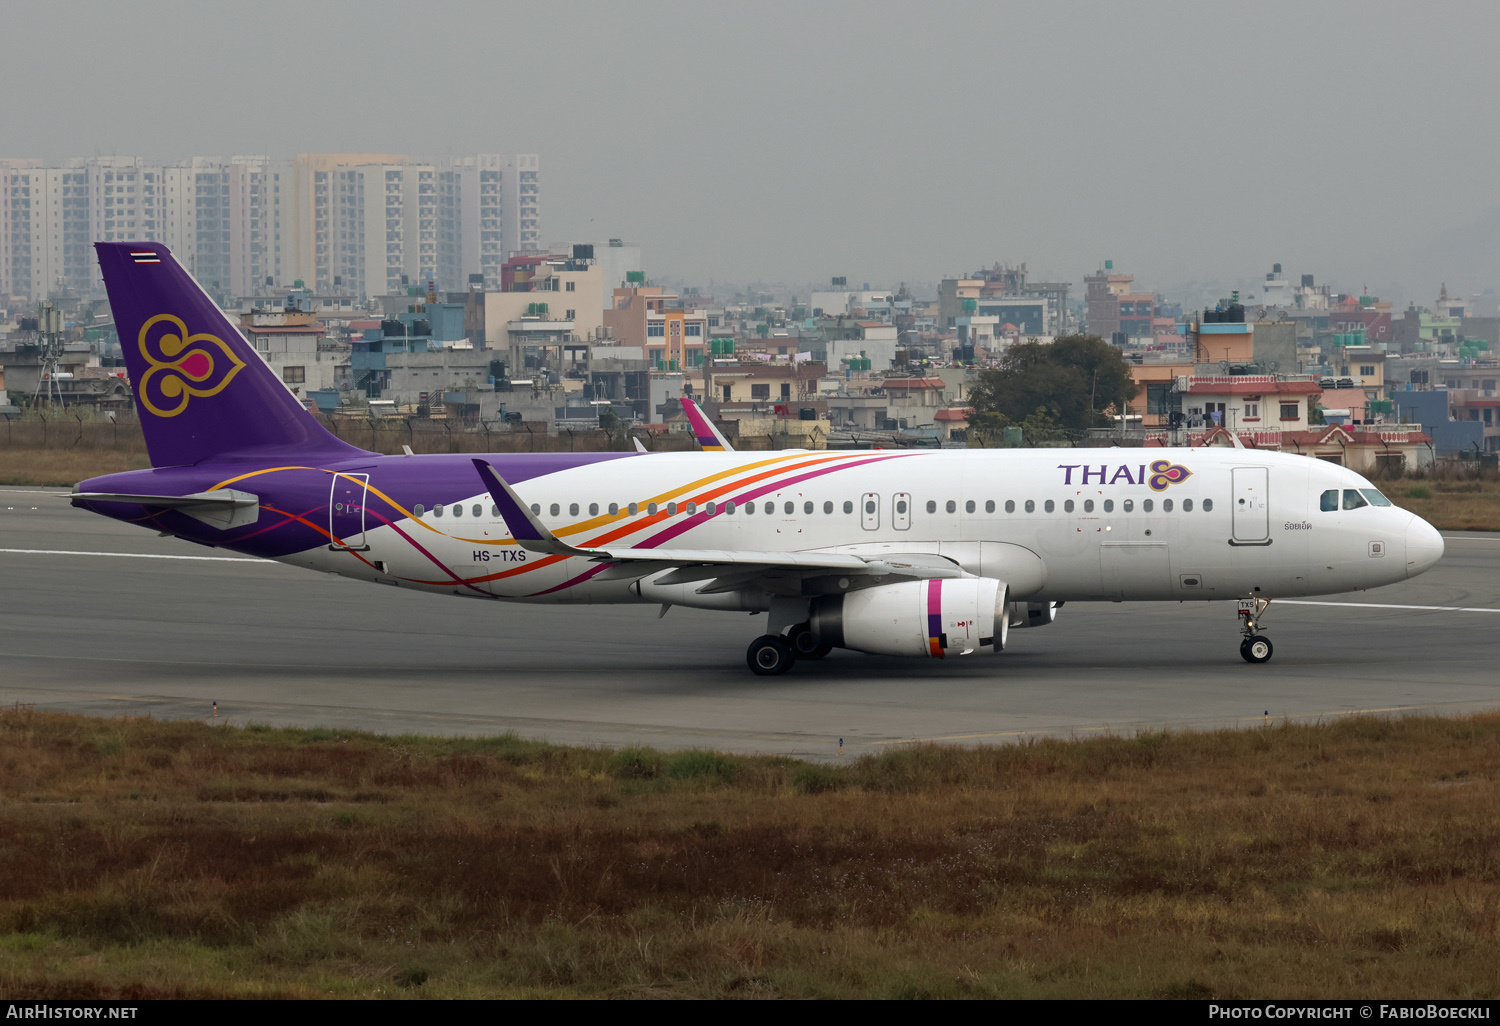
column 1252, row 507
column 869, row 511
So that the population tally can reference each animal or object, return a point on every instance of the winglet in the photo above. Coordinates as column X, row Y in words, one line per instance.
column 708, row 436
column 530, row 533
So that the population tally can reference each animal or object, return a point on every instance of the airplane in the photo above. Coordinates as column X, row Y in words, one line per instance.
column 924, row 553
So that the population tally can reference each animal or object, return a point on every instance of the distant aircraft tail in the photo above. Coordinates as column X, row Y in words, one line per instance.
column 202, row 392
column 708, row 436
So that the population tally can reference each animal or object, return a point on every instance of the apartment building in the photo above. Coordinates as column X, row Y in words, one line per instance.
column 238, row 223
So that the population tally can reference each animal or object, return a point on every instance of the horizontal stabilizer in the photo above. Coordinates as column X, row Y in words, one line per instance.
column 222, row 508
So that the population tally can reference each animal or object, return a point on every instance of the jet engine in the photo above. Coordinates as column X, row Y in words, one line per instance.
column 935, row 618
column 1033, row 614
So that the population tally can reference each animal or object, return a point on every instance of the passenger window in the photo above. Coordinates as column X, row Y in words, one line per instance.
column 807, row 507
column 932, row 505
column 870, row 506
column 828, row 506
column 848, row 506
column 1187, row 505
column 951, row 506
column 1109, row 505
column 634, row 508
column 1352, row 499
column 495, row 511
column 989, row 505
column 1048, row 506
column 458, row 511
column 1376, row 499
column 788, row 509
column 651, row 509
column 1068, row 506
column 1166, row 505
column 1030, row 506
column 713, row 509
column 729, row 507
column 692, row 508
column 478, row 510
column 1329, row 501
column 593, row 509
column 553, row 511
column 901, row 506
column 1128, row 506
column 1208, row 505
column 1088, row 505
column 1010, row 505
column 614, row 509
column 969, row 506
column 1145, row 505
column 437, row 511
column 749, row 509
column 572, row 509
column 671, row 509
column 418, row 510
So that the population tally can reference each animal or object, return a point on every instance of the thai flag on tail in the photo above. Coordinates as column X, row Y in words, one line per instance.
column 144, row 256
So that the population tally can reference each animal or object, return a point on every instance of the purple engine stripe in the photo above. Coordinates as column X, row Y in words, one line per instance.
column 935, row 608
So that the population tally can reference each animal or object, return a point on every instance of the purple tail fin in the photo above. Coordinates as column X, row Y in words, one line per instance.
column 201, row 391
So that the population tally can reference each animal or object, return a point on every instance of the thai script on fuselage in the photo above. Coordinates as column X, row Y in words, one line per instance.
column 1161, row 474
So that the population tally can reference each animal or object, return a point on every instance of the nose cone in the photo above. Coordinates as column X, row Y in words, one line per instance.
column 1424, row 546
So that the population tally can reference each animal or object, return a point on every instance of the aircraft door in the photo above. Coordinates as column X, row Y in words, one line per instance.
column 1252, row 508
column 869, row 511
column 346, row 511
column 901, row 511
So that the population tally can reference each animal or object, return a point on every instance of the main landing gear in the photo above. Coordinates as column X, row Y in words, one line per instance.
column 773, row 654
column 1256, row 648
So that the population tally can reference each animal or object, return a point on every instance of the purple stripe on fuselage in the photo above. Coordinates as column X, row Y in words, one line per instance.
column 431, row 480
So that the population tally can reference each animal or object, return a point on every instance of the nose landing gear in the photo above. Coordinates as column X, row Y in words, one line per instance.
column 1256, row 647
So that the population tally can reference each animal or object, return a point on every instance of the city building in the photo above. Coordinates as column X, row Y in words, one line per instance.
column 655, row 320
column 1116, row 313
column 249, row 223
column 1037, row 308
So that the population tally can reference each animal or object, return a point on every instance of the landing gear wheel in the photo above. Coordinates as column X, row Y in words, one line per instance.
column 769, row 655
column 805, row 643
column 1256, row 649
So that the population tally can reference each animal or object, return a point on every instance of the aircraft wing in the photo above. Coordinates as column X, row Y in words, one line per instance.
column 708, row 436
column 687, row 565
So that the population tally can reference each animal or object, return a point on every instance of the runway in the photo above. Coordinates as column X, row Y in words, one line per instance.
column 87, row 625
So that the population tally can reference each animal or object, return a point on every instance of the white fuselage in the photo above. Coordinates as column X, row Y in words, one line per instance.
column 1056, row 524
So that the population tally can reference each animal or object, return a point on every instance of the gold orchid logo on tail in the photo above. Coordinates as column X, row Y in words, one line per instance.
column 182, row 366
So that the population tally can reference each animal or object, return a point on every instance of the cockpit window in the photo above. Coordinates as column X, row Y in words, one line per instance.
column 1352, row 499
column 1330, row 501
column 1376, row 499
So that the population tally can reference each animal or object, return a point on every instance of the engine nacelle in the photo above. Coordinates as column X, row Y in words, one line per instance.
column 935, row 618
column 1033, row 614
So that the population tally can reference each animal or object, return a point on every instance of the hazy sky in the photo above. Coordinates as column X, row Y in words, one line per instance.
column 884, row 141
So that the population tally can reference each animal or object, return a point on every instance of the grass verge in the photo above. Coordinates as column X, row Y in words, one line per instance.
column 145, row 858
column 64, row 468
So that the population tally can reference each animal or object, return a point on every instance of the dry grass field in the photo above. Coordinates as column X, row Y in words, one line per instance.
column 64, row 468
column 145, row 859
column 1451, row 503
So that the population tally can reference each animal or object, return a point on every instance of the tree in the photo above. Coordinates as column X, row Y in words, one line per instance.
column 1072, row 382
